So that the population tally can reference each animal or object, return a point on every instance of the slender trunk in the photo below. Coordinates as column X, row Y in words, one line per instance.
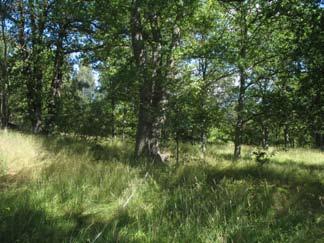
column 124, row 123
column 241, row 99
column 286, row 136
column 203, row 93
column 265, row 137
column 25, row 57
column 239, row 122
column 203, row 141
column 35, row 81
column 318, row 139
column 54, row 105
column 37, row 99
column 192, row 138
column 317, row 123
column 34, row 84
column 177, row 148
column 4, row 98
column 113, row 105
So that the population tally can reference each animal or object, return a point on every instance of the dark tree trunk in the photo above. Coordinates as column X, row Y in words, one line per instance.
column 238, row 135
column 124, row 123
column 265, row 137
column 318, row 132
column 4, row 86
column 318, row 140
column 25, row 57
column 202, row 100
column 34, row 82
column 54, row 105
column 177, row 148
column 240, row 116
column 147, row 135
column 153, row 58
column 144, row 126
column 286, row 136
column 149, row 123
column 113, row 119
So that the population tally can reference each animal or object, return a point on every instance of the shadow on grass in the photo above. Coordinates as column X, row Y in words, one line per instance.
column 299, row 165
column 257, row 200
column 23, row 220
column 109, row 150
column 230, row 157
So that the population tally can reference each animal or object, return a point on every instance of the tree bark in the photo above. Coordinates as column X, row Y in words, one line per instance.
column 113, row 118
column 153, row 59
column 35, row 83
column 240, row 116
column 242, row 87
column 4, row 86
column 150, row 90
column 318, row 139
column 54, row 105
column 265, row 136
column 286, row 136
column 26, row 69
column 177, row 149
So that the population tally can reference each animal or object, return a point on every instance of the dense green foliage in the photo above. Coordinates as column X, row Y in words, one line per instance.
column 139, row 111
column 194, row 70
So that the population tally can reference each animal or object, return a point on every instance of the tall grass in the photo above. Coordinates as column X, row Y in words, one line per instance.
column 68, row 190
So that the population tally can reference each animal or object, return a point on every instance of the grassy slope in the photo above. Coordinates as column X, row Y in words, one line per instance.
column 63, row 190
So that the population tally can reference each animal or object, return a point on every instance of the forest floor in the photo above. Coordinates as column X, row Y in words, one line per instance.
column 61, row 189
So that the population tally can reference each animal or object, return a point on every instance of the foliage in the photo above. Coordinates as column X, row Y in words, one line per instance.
column 193, row 79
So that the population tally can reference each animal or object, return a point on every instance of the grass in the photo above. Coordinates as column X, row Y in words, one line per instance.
column 67, row 190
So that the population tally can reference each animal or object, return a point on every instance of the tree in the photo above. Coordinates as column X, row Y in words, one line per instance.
column 155, row 33
column 5, row 15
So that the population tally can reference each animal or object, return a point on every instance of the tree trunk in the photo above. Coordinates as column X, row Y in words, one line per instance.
column 241, row 99
column 203, row 142
column 177, row 148
column 286, row 136
column 25, row 57
column 147, row 135
column 153, row 59
column 34, row 79
column 4, row 86
column 239, row 122
column 148, row 128
column 54, row 105
column 318, row 132
column 265, row 137
column 124, row 123
column 113, row 119
column 203, row 67
column 318, row 139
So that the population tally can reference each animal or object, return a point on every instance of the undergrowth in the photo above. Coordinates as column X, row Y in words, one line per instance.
column 68, row 190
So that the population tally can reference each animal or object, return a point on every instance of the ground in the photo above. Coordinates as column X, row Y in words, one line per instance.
column 61, row 189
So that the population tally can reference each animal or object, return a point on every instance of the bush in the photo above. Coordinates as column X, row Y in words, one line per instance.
column 262, row 156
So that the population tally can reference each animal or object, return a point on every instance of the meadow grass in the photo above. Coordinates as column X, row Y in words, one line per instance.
column 61, row 189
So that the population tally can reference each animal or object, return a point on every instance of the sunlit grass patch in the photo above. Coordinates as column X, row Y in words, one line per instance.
column 19, row 151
